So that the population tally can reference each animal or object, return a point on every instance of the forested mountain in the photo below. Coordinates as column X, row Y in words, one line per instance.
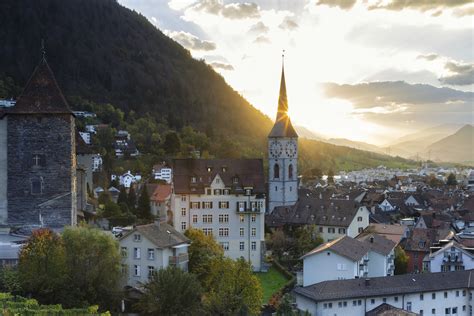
column 106, row 53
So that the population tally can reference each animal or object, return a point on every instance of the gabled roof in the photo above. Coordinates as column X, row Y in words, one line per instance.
column 390, row 285
column 421, row 239
column 41, row 94
column 378, row 243
column 161, row 192
column 162, row 235
column 247, row 172
column 345, row 246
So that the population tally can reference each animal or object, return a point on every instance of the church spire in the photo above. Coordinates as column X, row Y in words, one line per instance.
column 283, row 126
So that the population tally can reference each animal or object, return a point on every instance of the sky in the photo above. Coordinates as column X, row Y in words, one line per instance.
column 366, row 70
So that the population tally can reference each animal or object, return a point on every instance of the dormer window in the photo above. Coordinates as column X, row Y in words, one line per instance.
column 224, row 169
column 248, row 192
column 235, row 180
column 209, row 169
column 38, row 160
column 137, row 237
column 193, row 179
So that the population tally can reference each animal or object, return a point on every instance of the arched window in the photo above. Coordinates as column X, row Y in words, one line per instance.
column 290, row 172
column 276, row 171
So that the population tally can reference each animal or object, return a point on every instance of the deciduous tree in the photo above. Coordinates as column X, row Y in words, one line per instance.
column 401, row 261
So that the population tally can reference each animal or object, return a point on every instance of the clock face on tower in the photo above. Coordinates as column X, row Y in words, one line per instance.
column 290, row 149
column 276, row 149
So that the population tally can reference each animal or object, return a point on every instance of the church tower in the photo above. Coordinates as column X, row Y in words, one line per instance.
column 282, row 155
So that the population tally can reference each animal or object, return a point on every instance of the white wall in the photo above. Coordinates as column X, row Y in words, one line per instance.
column 3, row 172
column 353, row 229
column 439, row 304
column 324, row 266
column 378, row 264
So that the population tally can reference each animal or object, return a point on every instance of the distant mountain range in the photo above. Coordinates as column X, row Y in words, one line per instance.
column 443, row 143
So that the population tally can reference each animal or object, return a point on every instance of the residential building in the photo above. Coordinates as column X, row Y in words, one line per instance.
column 381, row 255
column 333, row 218
column 127, row 179
column 148, row 248
column 96, row 163
column 124, row 145
column 86, row 136
column 449, row 256
column 448, row 293
column 343, row 258
column 162, row 172
column 282, row 156
column 160, row 200
column 225, row 198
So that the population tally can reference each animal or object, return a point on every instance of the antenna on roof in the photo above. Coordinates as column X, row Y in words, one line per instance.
column 283, row 58
column 43, row 51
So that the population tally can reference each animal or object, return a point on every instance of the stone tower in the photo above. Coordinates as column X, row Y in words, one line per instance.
column 41, row 155
column 282, row 156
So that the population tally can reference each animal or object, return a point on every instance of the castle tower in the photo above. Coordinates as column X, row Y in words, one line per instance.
column 41, row 155
column 282, row 156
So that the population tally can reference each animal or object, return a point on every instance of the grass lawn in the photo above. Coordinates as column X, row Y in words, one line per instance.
column 271, row 282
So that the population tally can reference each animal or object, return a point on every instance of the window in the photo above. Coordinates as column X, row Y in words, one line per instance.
column 454, row 310
column 193, row 180
column 325, row 305
column 217, row 191
column 183, row 226
column 223, row 204
column 207, row 205
column 137, row 237
column 433, row 296
column 421, row 297
column 226, row 191
column 433, row 311
column 330, row 305
column 331, row 230
column 241, row 206
column 344, row 303
column 276, row 188
column 359, row 302
column 242, row 231
column 276, row 171
column 136, row 253
column 447, row 311
column 242, row 245
column 445, row 294
column 409, row 306
column 372, row 301
column 151, row 254
column 195, row 205
column 359, row 218
column 290, row 172
column 207, row 218
column 223, row 218
column 36, row 186
column 195, row 218
column 207, row 231
column 360, row 230
column 463, row 292
column 254, row 218
column 254, row 245
column 384, row 300
column 136, row 270
column 354, row 303
column 339, row 304
column 320, row 229
column 342, row 230
column 235, row 180
column 124, row 252
column 183, row 198
column 248, row 192
column 225, row 245
column 151, row 272
column 464, row 308
column 421, row 312
column 395, row 298
column 254, row 231
column 208, row 191
column 241, row 218
column 124, row 269
column 183, row 212
column 224, row 232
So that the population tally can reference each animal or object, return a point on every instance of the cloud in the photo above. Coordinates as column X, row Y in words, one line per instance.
column 222, row 66
column 429, row 57
column 288, row 24
column 461, row 74
column 464, row 12
column 191, row 42
column 232, row 10
column 343, row 4
column 399, row 104
column 259, row 28
column 421, row 5
column 390, row 93
column 262, row 40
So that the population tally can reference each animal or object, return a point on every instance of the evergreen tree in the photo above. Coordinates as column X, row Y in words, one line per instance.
column 451, row 179
column 143, row 210
column 132, row 198
column 122, row 198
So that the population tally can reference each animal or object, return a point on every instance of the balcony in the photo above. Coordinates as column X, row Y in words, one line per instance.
column 181, row 258
column 248, row 210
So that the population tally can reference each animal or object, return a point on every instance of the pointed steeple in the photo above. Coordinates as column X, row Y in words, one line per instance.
column 283, row 126
column 41, row 94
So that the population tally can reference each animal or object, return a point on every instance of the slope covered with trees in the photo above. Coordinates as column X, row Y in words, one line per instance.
column 105, row 53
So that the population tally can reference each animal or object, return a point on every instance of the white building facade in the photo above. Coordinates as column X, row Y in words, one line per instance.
column 225, row 199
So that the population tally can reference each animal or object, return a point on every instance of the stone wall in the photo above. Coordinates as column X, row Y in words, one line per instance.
column 52, row 137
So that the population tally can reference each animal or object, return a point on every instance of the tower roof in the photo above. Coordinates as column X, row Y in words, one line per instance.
column 283, row 126
column 41, row 94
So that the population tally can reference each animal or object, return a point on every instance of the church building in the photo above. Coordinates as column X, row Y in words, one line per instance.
column 38, row 156
column 282, row 156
